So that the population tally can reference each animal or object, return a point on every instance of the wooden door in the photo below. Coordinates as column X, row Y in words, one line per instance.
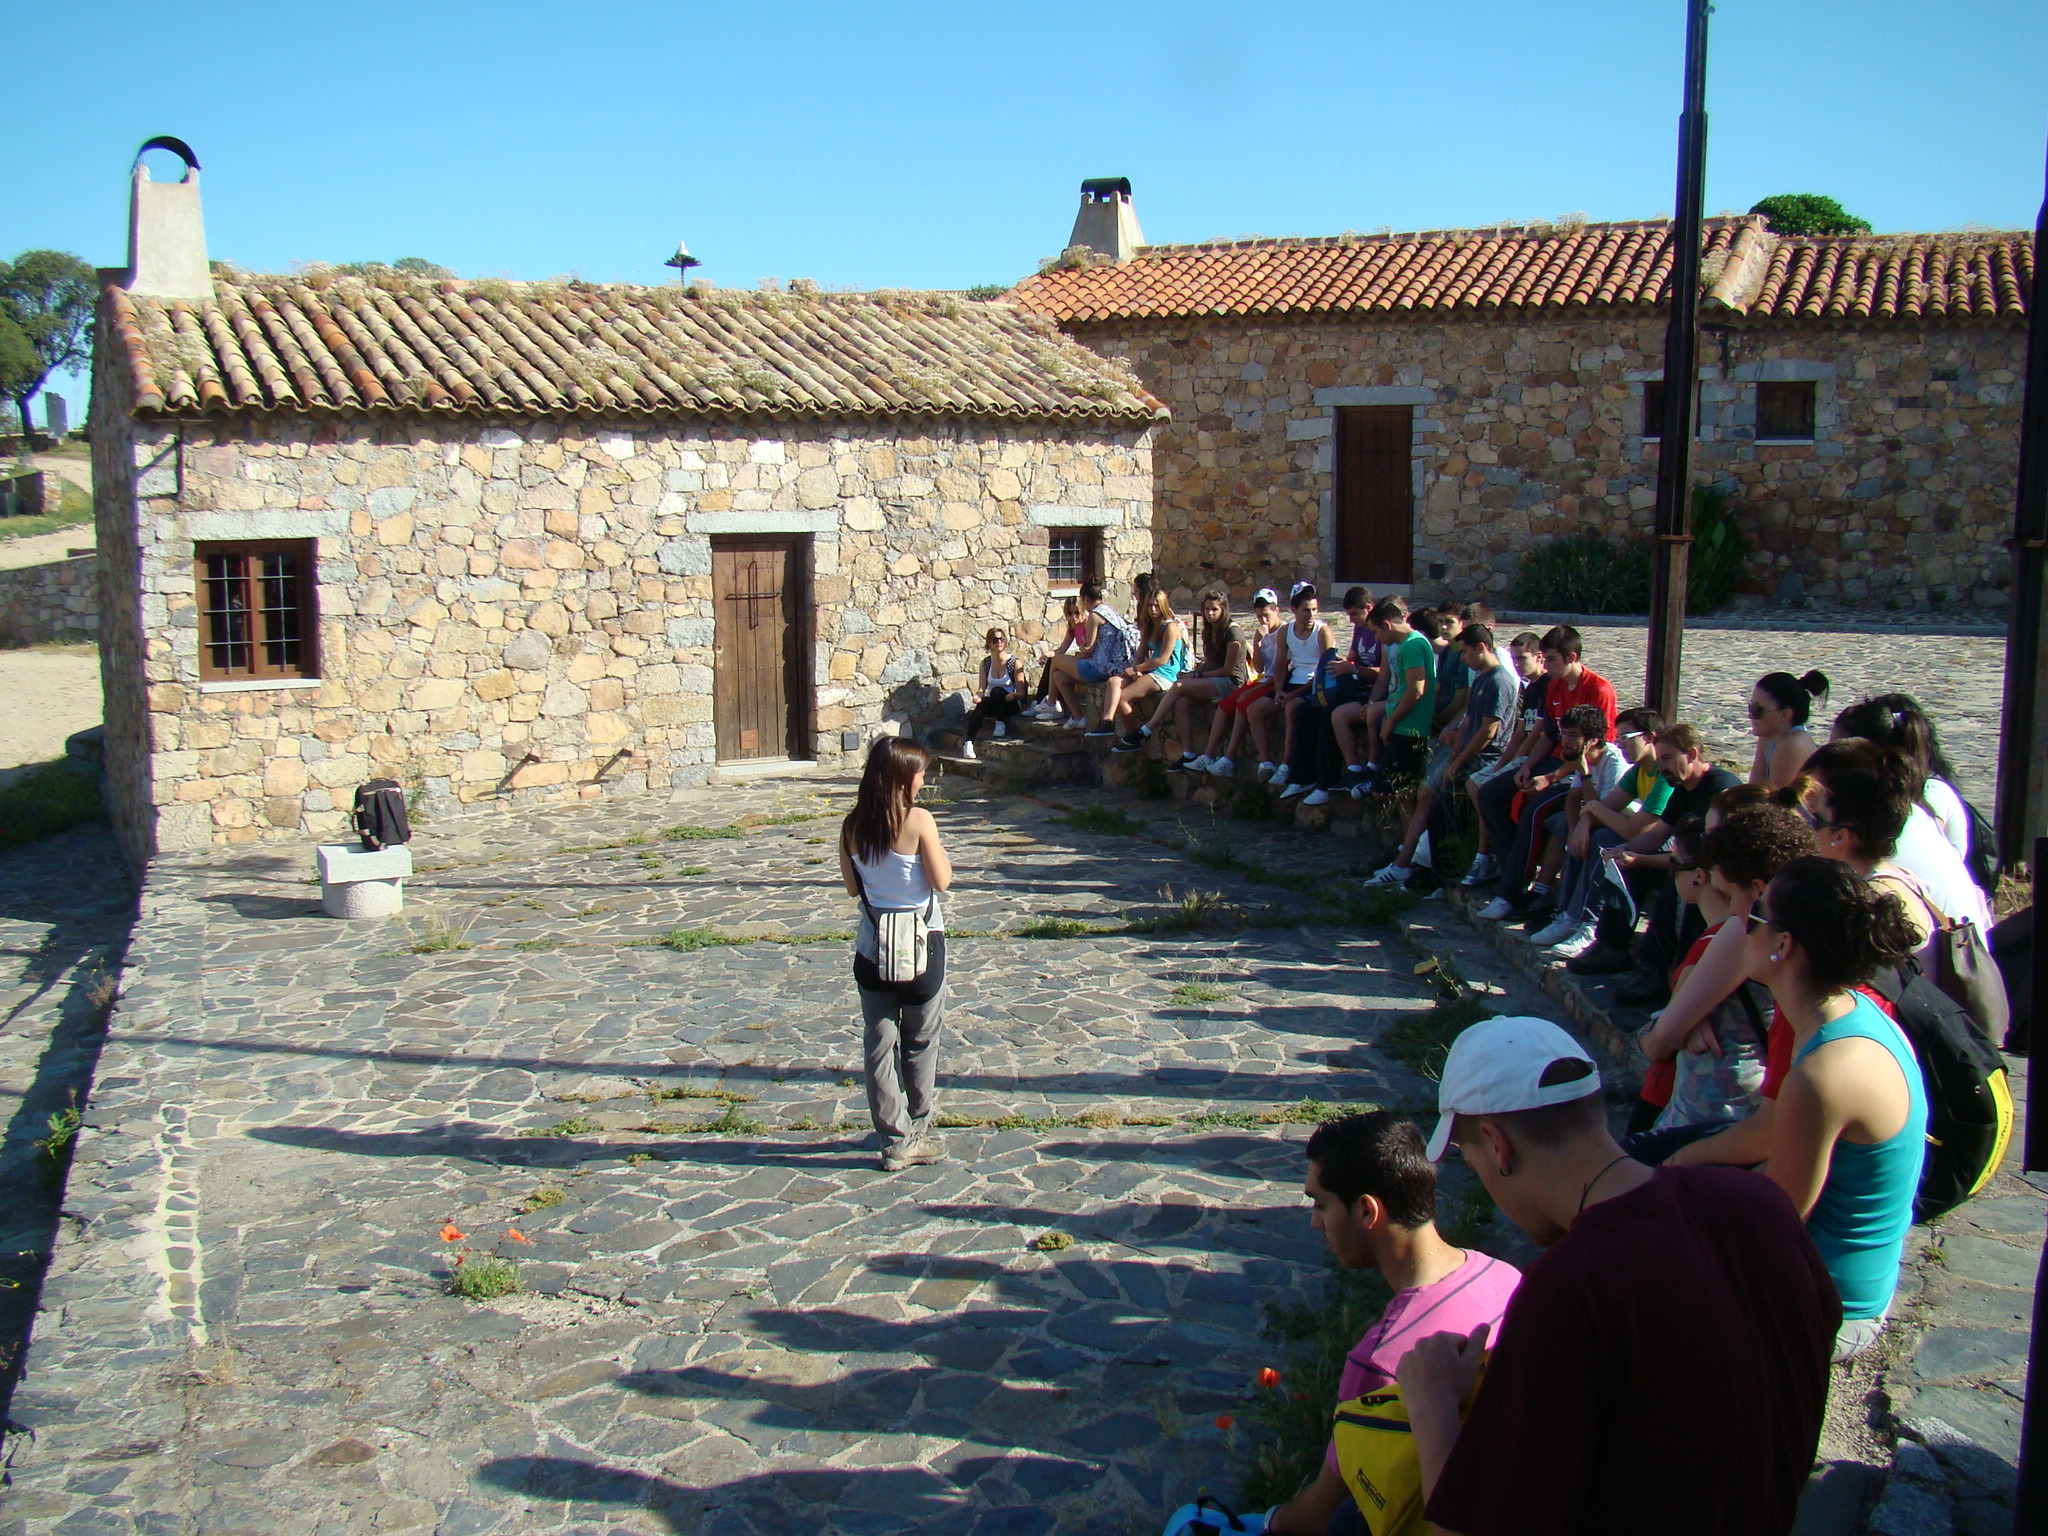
column 1375, row 494
column 760, row 685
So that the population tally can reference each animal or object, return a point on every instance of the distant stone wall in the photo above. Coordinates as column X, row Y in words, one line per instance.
column 503, row 609
column 1530, row 428
column 54, row 602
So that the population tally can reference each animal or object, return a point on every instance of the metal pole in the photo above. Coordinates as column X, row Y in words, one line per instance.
column 1673, row 522
column 2022, row 773
column 2030, row 1505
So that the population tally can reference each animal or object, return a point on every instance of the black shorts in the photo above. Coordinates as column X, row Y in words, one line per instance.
column 1401, row 753
column 921, row 990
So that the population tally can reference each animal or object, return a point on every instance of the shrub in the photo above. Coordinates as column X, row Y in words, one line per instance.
column 1586, row 573
column 47, row 799
column 1809, row 213
column 1718, row 550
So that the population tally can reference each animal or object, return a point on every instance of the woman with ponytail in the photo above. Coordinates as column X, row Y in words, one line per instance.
column 1779, row 707
column 890, row 857
column 1897, row 720
column 1851, row 1126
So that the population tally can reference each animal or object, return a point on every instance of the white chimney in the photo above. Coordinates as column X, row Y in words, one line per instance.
column 166, row 231
column 1106, row 223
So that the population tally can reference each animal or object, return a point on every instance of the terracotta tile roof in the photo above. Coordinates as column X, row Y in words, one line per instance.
column 319, row 342
column 1551, row 269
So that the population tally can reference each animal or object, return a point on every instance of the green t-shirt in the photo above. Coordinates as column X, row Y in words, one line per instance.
column 1652, row 788
column 1415, row 653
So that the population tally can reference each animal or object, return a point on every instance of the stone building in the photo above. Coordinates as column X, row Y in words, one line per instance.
column 1416, row 411
column 559, row 539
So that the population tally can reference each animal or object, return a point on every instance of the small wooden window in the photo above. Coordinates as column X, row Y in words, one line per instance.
column 1074, row 556
column 1785, row 411
column 256, row 613
column 1653, row 409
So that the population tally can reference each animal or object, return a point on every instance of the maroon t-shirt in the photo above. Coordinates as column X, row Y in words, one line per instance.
column 1663, row 1368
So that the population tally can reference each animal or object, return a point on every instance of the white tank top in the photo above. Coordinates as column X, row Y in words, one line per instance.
column 1302, row 656
column 898, row 880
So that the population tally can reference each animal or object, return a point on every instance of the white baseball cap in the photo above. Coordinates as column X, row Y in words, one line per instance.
column 1496, row 1067
column 1267, row 596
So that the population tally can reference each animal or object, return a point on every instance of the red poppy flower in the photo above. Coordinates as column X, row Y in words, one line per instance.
column 1268, row 1377
column 1224, row 1421
column 449, row 1234
column 517, row 1236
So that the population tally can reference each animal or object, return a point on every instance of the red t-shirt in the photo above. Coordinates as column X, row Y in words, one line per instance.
column 1662, row 1076
column 1664, row 1367
column 1778, row 1044
column 1559, row 696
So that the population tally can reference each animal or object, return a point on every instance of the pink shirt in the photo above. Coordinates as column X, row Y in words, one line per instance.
column 1476, row 1292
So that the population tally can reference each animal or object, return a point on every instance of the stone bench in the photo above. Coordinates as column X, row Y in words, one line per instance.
column 356, row 883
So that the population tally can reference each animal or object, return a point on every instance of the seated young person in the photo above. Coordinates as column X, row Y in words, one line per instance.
column 1077, row 629
column 1373, row 1192
column 1602, row 822
column 1235, row 712
column 1594, row 767
column 1897, row 720
column 1162, row 656
column 1343, row 685
column 1525, row 655
column 1918, row 847
column 1779, row 706
column 998, row 698
column 1221, row 672
column 1466, row 748
column 1110, row 645
column 1851, row 1128
column 1302, row 644
column 1404, row 730
column 1691, row 1291
column 1708, row 1076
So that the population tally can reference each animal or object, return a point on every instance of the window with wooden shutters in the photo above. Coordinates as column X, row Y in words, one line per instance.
column 1784, row 412
column 256, row 614
column 1073, row 555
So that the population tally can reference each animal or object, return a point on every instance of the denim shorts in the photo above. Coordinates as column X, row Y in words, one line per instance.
column 1092, row 671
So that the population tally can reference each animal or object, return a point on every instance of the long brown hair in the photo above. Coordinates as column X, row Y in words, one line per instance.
column 871, row 826
column 1217, row 637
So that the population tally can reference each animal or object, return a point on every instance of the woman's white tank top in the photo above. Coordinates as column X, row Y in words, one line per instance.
column 898, row 880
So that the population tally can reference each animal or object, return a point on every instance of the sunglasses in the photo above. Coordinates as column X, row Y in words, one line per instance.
column 1753, row 920
column 1818, row 822
column 1758, row 711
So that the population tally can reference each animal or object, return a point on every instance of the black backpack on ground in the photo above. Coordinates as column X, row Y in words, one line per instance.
column 380, row 814
column 1969, row 1104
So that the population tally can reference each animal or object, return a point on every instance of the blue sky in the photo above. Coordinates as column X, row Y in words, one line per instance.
column 938, row 145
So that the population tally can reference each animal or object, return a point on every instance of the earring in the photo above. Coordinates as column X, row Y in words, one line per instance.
column 1778, row 958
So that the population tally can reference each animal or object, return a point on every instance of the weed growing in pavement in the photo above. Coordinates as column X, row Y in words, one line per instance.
column 535, row 946
column 693, row 869
column 439, row 936
column 684, row 940
column 55, row 1149
column 1194, row 993
column 635, row 1159
column 1104, row 821
column 1290, row 1414
column 687, row 834
column 1060, row 928
column 791, row 819
column 1197, row 909
column 1052, row 1242
column 650, row 862
column 662, row 1093
column 541, row 1199
column 1422, row 1040
column 481, row 1277
column 576, row 1126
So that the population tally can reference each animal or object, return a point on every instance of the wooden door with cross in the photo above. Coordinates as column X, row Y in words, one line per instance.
column 760, row 697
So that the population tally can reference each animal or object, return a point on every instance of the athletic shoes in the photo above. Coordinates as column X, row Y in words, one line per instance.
column 1266, row 772
column 1129, row 744
column 1317, row 796
column 967, row 750
column 1485, row 868
column 1197, row 764
column 1104, row 729
column 1292, row 790
column 1556, row 931
column 1423, row 858
column 1220, row 767
column 1497, row 909
column 1075, row 723
column 1279, row 777
column 1575, row 943
column 1393, row 874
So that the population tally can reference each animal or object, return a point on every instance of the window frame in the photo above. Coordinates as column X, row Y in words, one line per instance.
column 1652, row 423
column 1806, row 391
column 1091, row 558
column 306, row 605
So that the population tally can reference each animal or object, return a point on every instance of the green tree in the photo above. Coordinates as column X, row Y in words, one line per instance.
column 48, row 296
column 1809, row 213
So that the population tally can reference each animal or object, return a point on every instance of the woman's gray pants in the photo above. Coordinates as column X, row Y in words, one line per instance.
column 902, row 1049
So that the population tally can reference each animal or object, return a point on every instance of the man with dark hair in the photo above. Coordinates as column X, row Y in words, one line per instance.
column 1373, row 1190
column 1404, row 730
column 1606, row 821
column 1691, row 1289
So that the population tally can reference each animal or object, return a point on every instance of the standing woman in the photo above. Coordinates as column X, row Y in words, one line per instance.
column 1779, row 706
column 1851, row 1125
column 890, row 857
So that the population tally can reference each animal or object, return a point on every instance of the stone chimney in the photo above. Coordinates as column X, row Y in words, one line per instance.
column 1106, row 223
column 166, row 231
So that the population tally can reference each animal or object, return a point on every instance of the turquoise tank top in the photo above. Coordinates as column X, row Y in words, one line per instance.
column 1176, row 664
column 1859, row 1223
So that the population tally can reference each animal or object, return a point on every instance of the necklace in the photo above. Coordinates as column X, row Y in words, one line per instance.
column 1588, row 1190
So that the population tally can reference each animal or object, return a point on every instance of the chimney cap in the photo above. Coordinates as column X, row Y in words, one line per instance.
column 1100, row 189
column 176, row 146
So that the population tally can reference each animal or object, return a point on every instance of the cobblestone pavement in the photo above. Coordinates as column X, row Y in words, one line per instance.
column 733, row 1322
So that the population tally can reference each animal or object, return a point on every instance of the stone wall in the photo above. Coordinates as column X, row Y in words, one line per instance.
column 526, row 609
column 56, row 602
column 1529, row 429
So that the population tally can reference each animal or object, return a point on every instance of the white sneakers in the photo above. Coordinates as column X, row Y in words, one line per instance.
column 1316, row 796
column 1555, row 932
column 1291, row 790
column 1045, row 711
column 1197, row 764
column 1497, row 909
column 1278, row 777
column 1075, row 723
column 1222, row 767
column 967, row 750
column 1393, row 874
column 1577, row 942
column 1484, row 868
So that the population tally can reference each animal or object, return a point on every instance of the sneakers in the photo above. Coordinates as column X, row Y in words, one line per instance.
column 1279, row 776
column 999, row 730
column 1266, row 772
column 1317, row 796
column 1074, row 724
column 1485, row 869
column 967, row 750
column 1575, row 943
column 1556, row 931
column 1393, row 874
column 1182, row 764
column 1423, row 858
column 1367, row 782
column 1497, row 909
column 1104, row 729
column 1221, row 767
column 914, row 1153
column 1292, row 790
column 1046, row 711
column 1198, row 764
column 1126, row 743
